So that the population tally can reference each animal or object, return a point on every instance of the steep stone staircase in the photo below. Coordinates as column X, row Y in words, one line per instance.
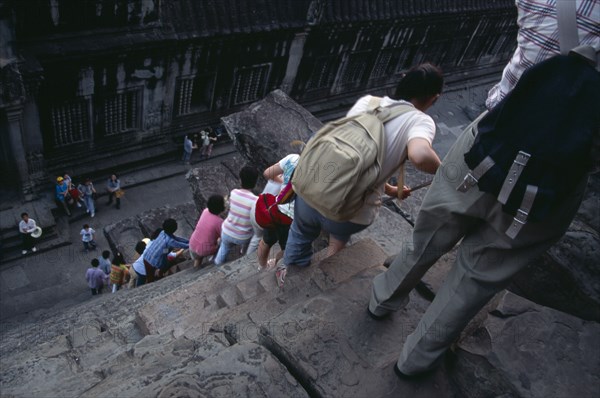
column 230, row 331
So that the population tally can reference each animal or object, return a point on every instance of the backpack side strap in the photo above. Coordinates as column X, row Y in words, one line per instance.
column 513, row 175
column 521, row 217
column 473, row 176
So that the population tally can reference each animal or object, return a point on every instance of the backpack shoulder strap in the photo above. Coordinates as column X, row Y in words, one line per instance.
column 391, row 112
column 374, row 103
column 566, row 18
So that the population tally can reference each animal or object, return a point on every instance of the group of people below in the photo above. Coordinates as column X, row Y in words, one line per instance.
column 203, row 141
column 148, row 265
column 68, row 195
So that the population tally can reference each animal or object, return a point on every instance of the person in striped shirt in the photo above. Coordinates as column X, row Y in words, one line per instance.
column 237, row 228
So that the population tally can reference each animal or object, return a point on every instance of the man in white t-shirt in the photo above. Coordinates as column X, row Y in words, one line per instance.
column 408, row 136
column 26, row 227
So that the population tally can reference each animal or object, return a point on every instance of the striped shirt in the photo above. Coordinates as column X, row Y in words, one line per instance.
column 238, row 225
column 538, row 39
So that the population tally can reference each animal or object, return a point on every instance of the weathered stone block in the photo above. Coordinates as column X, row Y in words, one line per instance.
column 243, row 370
column 185, row 215
column 567, row 277
column 336, row 350
column 262, row 133
column 390, row 231
column 213, row 179
column 535, row 351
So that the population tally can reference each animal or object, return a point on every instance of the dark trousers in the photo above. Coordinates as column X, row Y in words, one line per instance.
column 28, row 241
column 97, row 290
column 110, row 199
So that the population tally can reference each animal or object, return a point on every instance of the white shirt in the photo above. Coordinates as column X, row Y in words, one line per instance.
column 398, row 132
column 27, row 227
column 138, row 266
column 87, row 236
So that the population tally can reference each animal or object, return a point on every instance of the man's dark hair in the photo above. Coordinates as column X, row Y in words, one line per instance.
column 105, row 254
column 216, row 204
column 140, row 247
column 169, row 226
column 86, row 225
column 249, row 176
column 420, row 82
column 24, row 214
column 95, row 262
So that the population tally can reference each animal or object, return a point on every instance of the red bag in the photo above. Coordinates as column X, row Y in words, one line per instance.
column 267, row 213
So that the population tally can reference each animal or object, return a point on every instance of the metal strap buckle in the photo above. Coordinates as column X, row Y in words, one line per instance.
column 522, row 158
column 521, row 216
column 467, row 183
column 515, row 226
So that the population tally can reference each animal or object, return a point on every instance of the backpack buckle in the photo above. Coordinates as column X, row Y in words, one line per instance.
column 467, row 183
column 474, row 175
column 513, row 175
column 523, row 213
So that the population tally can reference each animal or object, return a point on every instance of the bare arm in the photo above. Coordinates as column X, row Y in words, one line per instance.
column 422, row 155
column 274, row 173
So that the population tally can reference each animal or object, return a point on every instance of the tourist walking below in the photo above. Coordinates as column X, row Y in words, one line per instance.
column 95, row 278
column 188, row 147
column 280, row 172
column 88, row 192
column 209, row 138
column 113, row 186
column 26, row 227
column 61, row 194
column 105, row 263
column 118, row 272
column 237, row 228
column 87, row 238
column 155, row 255
column 73, row 191
column 205, row 238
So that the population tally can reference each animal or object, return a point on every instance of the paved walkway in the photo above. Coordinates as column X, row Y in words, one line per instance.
column 42, row 280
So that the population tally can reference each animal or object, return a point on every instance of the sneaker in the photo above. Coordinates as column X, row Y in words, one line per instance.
column 280, row 275
column 78, row 204
column 34, row 249
column 24, row 252
column 93, row 214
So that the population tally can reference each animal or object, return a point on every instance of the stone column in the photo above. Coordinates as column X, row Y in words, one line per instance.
column 294, row 58
column 15, row 134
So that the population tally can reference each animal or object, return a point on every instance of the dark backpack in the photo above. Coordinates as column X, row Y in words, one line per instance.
column 534, row 147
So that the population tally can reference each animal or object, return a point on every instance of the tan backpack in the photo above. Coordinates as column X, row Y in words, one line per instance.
column 341, row 164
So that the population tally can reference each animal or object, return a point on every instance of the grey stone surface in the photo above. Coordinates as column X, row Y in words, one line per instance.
column 337, row 350
column 532, row 351
column 216, row 179
column 186, row 216
column 263, row 132
column 389, row 231
column 567, row 277
column 243, row 370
